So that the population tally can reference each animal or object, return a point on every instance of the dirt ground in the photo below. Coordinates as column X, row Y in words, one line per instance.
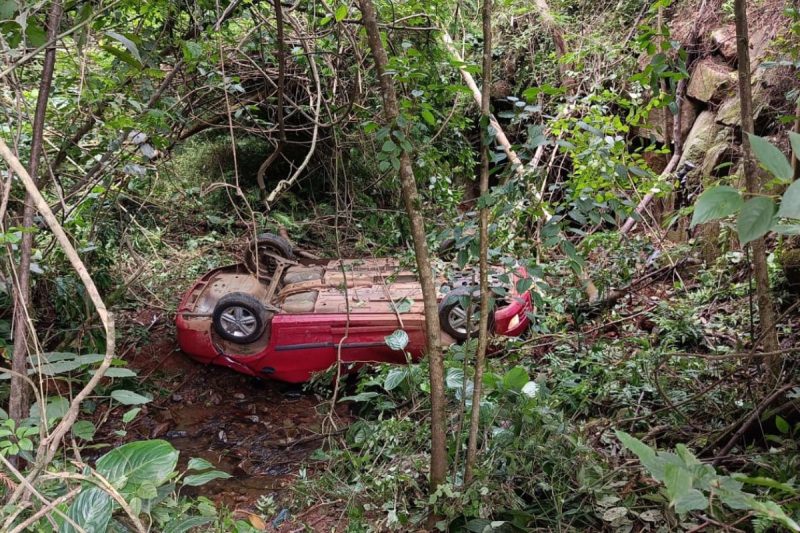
column 259, row 431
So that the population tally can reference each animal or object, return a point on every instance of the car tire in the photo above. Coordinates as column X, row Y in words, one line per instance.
column 447, row 250
column 452, row 315
column 257, row 258
column 239, row 318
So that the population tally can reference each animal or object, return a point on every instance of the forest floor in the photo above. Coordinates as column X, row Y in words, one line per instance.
column 261, row 432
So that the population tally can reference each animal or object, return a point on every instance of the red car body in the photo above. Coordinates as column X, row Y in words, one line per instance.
column 300, row 341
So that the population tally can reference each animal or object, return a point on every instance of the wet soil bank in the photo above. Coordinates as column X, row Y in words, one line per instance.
column 259, row 431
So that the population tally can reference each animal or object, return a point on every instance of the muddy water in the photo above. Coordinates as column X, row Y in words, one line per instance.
column 249, row 428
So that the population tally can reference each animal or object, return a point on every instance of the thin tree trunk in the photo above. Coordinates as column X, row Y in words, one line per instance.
column 412, row 203
column 483, row 328
column 19, row 403
column 766, row 309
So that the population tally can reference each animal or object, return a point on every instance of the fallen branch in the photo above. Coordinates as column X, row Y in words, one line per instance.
column 751, row 419
column 616, row 295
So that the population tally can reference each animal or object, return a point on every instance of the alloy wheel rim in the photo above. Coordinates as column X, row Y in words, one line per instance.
column 238, row 321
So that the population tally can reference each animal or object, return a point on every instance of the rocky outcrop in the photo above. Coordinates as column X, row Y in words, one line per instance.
column 655, row 121
column 711, row 81
column 724, row 41
column 701, row 138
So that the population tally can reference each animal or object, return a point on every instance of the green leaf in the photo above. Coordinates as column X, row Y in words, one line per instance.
column 361, row 397
column 181, row 526
column 192, row 50
column 83, row 429
column 781, row 424
column 91, row 510
column 7, row 9
column 35, row 34
column 684, row 498
column 646, row 454
column 794, row 139
column 786, row 229
column 126, row 397
column 454, row 378
column 146, row 491
column 117, row 372
column 127, row 43
column 692, row 500
column 765, row 482
column 56, row 407
column 198, row 463
column 755, row 219
column 715, row 203
column 395, row 377
column 516, row 378
column 403, row 306
column 130, row 414
column 398, row 340
column 428, row 117
column 389, row 146
column 201, row 479
column 771, row 158
column 135, row 463
column 341, row 13
column 790, row 203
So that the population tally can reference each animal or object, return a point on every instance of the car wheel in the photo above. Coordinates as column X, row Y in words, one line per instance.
column 453, row 315
column 239, row 318
column 447, row 249
column 259, row 254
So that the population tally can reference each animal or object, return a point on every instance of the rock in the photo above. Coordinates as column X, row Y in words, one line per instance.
column 716, row 155
column 711, row 81
column 701, row 138
column 655, row 121
column 730, row 112
column 724, row 40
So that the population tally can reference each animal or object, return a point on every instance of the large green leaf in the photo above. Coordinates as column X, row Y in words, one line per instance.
column 770, row 157
column 755, row 218
column 127, row 397
column 646, row 454
column 682, row 496
column 394, row 378
column 91, row 510
column 134, row 463
column 715, row 203
column 516, row 378
column 196, row 480
column 127, row 43
column 398, row 340
column 790, row 203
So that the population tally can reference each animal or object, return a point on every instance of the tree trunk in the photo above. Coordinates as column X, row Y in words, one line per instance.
column 483, row 331
column 18, row 403
column 412, row 203
column 766, row 309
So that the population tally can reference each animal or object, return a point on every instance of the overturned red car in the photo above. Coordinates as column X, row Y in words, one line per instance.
column 285, row 318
